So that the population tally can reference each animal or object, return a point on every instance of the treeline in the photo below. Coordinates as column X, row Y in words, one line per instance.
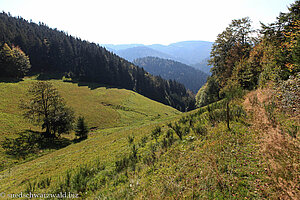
column 190, row 77
column 55, row 52
column 248, row 62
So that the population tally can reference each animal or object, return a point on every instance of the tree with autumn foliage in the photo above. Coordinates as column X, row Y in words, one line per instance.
column 284, row 35
column 231, row 46
column 13, row 62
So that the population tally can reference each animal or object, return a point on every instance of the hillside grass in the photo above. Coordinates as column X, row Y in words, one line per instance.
column 149, row 160
column 103, row 108
column 105, row 145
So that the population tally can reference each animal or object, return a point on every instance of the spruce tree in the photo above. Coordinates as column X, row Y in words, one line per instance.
column 81, row 128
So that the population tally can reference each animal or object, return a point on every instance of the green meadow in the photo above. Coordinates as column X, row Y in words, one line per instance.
column 103, row 108
column 141, row 149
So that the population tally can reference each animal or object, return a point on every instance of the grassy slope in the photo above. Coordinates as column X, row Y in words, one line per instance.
column 218, row 164
column 102, row 107
column 255, row 160
column 104, row 145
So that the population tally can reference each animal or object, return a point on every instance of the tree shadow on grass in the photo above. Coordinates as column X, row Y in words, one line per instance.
column 31, row 142
column 49, row 76
column 10, row 80
column 55, row 143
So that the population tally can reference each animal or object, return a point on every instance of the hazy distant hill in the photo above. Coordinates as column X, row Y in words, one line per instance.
column 191, row 78
column 140, row 52
column 187, row 52
column 203, row 66
column 121, row 46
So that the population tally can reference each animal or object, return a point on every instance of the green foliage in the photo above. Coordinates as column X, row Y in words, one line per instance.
column 44, row 183
column 47, row 107
column 82, row 129
column 270, row 111
column 178, row 130
column 230, row 47
column 156, row 133
column 130, row 139
column 31, row 187
column 13, row 62
column 283, row 34
column 200, row 129
column 231, row 92
column 293, row 130
column 208, row 93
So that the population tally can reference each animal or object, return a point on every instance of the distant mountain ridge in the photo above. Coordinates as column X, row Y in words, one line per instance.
column 190, row 77
column 187, row 52
column 133, row 53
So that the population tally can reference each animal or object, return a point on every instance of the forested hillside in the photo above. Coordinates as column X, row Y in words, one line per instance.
column 54, row 52
column 168, row 69
column 203, row 66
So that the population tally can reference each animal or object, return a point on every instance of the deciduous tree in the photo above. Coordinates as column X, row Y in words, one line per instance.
column 13, row 62
column 47, row 108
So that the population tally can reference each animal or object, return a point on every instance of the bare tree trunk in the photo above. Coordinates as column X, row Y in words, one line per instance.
column 227, row 115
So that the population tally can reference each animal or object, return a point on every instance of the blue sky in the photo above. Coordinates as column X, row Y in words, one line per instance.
column 144, row 21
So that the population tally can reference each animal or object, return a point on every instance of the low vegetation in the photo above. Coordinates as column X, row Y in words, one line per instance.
column 194, row 156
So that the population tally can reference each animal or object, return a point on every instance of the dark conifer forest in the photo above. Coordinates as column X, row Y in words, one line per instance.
column 55, row 52
column 190, row 77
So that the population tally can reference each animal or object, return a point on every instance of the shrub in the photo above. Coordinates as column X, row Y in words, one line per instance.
column 122, row 164
column 270, row 111
column 177, row 129
column 80, row 179
column 293, row 130
column 130, row 139
column 143, row 141
column 200, row 129
column 44, row 183
column 156, row 133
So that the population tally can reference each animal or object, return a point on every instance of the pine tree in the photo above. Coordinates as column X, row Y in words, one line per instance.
column 82, row 128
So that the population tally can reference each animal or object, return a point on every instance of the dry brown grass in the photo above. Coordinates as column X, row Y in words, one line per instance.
column 280, row 151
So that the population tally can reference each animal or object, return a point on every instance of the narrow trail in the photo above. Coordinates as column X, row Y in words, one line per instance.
column 280, row 151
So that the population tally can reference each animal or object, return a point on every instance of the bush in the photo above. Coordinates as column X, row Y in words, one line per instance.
column 270, row 111
column 156, row 133
column 130, row 139
column 200, row 129
column 178, row 130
